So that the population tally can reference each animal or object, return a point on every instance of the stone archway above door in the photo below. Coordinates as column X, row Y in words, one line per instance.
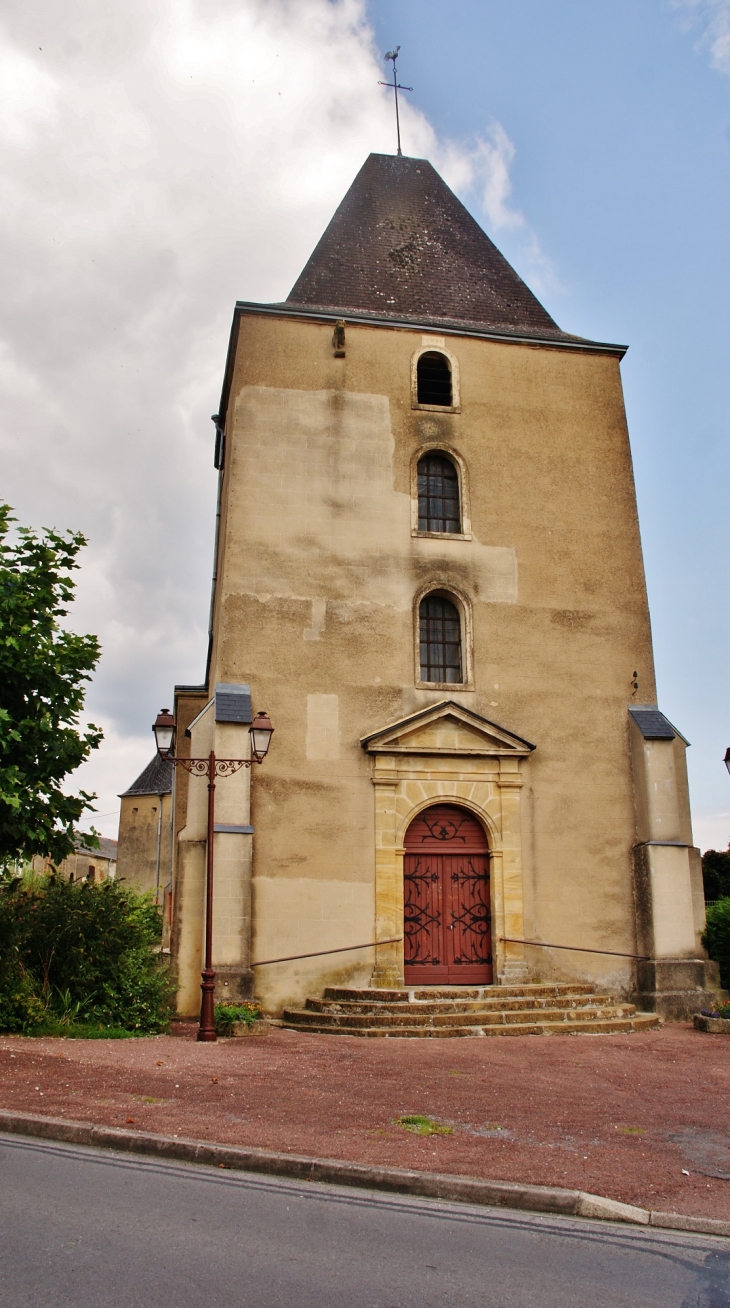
column 448, row 753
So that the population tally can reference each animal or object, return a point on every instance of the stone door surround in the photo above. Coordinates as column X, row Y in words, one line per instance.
column 448, row 753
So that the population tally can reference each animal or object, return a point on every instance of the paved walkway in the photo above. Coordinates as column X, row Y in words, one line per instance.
column 640, row 1118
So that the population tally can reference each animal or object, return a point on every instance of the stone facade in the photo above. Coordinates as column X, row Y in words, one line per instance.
column 320, row 572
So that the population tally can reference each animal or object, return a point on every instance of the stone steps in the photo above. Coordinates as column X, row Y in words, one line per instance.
column 461, row 1006
column 411, row 994
column 430, row 1011
column 640, row 1022
column 306, row 1018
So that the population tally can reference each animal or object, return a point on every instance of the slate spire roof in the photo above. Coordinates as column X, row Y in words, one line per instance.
column 402, row 245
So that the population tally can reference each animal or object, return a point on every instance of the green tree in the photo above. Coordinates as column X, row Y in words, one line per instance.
column 43, row 669
column 716, row 938
column 716, row 873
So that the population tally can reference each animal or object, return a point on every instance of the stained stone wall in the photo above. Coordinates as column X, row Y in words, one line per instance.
column 319, row 572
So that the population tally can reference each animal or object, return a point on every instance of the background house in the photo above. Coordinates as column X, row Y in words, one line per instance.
column 85, row 864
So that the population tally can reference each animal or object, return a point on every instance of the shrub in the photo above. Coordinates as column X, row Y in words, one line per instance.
column 226, row 1015
column 78, row 953
column 716, row 937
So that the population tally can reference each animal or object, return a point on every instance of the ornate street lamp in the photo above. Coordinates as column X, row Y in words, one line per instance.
column 211, row 767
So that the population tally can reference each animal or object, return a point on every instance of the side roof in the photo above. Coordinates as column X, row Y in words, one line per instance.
column 155, row 780
column 107, row 849
column 652, row 723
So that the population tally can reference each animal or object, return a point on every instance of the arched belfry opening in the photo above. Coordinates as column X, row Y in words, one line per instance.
column 447, row 914
column 434, row 379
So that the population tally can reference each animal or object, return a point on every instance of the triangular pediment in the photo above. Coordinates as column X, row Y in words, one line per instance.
column 445, row 728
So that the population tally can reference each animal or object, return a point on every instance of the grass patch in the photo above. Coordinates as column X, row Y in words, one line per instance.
column 421, row 1125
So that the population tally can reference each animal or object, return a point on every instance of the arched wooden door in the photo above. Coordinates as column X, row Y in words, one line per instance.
column 447, row 914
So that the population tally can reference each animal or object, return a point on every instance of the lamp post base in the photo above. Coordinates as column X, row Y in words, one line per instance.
column 206, row 1030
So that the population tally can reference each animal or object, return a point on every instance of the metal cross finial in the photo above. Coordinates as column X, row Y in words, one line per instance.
column 396, row 87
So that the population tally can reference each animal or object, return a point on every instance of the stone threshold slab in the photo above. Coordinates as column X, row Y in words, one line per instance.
column 396, row 1180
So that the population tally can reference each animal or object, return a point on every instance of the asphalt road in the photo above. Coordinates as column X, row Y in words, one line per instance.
column 81, row 1227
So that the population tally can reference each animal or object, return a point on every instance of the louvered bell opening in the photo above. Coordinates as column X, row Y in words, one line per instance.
column 434, row 380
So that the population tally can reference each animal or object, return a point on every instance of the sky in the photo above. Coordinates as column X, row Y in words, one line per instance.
column 162, row 159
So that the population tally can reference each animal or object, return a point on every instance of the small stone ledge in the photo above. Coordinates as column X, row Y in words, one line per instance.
column 714, row 1025
column 701, row 1225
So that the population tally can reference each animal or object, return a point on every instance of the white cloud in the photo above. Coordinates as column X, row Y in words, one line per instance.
column 711, row 830
column 157, row 162
column 486, row 165
column 27, row 98
column 480, row 170
column 713, row 16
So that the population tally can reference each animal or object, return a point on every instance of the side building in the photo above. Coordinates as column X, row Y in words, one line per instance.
column 144, row 857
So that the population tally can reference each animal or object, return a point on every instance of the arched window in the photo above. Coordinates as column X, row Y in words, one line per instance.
column 440, row 640
column 438, row 494
column 434, row 379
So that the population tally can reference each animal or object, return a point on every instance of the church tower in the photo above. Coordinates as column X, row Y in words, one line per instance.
column 429, row 572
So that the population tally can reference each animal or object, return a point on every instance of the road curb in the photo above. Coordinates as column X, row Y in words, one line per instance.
column 428, row 1185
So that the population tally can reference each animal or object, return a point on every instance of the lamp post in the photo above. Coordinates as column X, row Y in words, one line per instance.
column 211, row 767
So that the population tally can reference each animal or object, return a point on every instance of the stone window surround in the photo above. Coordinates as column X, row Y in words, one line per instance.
column 440, row 447
column 436, row 346
column 446, row 590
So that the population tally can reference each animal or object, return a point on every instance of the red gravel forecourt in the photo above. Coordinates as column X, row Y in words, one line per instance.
column 641, row 1118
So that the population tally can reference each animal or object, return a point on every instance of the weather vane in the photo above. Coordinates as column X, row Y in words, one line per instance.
column 396, row 87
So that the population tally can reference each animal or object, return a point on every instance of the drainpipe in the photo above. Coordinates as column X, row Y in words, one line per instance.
column 159, row 842
column 173, row 854
column 219, row 459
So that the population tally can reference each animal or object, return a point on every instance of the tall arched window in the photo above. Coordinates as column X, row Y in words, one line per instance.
column 440, row 640
column 434, row 379
column 438, row 494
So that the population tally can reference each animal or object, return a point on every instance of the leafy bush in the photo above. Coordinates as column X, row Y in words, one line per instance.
column 716, row 938
column 77, row 953
column 226, row 1016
